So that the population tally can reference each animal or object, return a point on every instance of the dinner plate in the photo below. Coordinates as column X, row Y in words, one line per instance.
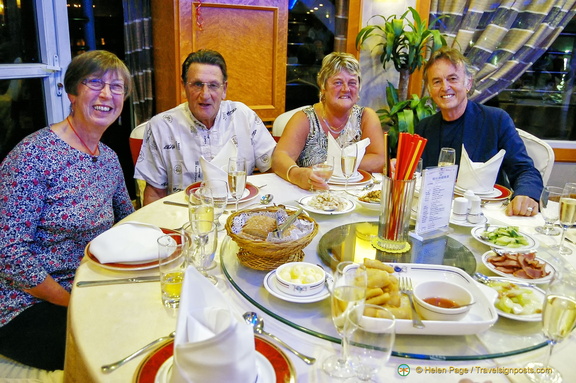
column 499, row 193
column 540, row 294
column 249, row 194
column 273, row 365
column 478, row 230
column 465, row 223
column 349, row 206
column 125, row 266
column 548, row 268
column 363, row 178
column 270, row 284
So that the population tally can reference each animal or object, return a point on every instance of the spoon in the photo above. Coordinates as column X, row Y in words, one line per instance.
column 113, row 366
column 264, row 200
column 258, row 324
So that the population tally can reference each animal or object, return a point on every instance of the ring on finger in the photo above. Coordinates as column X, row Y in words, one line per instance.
column 530, row 209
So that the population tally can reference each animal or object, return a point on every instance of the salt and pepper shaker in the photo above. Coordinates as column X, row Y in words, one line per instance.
column 469, row 194
column 460, row 209
column 475, row 212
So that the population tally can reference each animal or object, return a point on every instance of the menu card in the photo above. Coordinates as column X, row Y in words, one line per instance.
column 435, row 202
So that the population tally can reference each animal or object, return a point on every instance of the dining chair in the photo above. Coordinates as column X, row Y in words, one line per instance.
column 281, row 121
column 136, row 138
column 540, row 152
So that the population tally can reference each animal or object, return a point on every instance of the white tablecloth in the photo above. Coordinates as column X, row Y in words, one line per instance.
column 109, row 322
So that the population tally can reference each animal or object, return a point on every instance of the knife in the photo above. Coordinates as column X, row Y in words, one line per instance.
column 153, row 278
column 176, row 203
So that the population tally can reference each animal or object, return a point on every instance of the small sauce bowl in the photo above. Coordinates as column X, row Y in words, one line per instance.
column 442, row 293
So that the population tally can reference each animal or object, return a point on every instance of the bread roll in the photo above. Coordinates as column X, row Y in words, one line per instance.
column 259, row 226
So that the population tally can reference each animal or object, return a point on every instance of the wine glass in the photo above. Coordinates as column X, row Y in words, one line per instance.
column 237, row 172
column 369, row 336
column 203, row 236
column 200, row 204
column 558, row 321
column 550, row 209
column 324, row 170
column 447, row 157
column 348, row 158
column 219, row 189
column 348, row 290
column 567, row 214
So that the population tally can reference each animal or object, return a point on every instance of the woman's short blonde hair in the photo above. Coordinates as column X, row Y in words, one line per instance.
column 334, row 63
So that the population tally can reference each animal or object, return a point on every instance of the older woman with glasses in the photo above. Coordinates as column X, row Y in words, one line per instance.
column 59, row 188
column 304, row 141
column 206, row 126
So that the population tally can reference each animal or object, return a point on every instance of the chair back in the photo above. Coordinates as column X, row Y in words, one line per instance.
column 540, row 152
column 136, row 137
column 281, row 121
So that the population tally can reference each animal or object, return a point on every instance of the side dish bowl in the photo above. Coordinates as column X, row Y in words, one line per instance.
column 445, row 291
column 300, row 278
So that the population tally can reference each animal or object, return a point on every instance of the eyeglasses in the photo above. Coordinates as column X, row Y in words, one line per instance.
column 198, row 86
column 98, row 84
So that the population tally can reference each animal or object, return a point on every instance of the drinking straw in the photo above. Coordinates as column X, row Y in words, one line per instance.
column 386, row 155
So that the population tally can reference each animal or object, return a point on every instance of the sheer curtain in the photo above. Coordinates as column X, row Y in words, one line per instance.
column 501, row 38
column 138, row 55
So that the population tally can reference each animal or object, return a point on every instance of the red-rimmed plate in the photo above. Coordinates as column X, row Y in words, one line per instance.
column 148, row 371
column 366, row 177
column 499, row 193
column 250, row 192
column 128, row 266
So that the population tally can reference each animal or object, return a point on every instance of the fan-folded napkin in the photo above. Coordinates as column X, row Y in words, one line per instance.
column 212, row 344
column 217, row 167
column 479, row 177
column 335, row 152
column 127, row 242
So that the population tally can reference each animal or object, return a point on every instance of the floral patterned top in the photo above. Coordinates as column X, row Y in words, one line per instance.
column 316, row 147
column 54, row 199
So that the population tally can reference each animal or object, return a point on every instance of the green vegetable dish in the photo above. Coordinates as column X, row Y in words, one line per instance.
column 505, row 236
column 517, row 300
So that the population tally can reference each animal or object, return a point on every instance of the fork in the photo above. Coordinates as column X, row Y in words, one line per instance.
column 405, row 285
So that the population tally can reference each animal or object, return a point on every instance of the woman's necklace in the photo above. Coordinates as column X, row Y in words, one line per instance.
column 338, row 130
column 92, row 152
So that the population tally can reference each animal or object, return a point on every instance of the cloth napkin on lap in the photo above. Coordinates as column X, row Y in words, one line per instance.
column 213, row 344
column 127, row 242
column 334, row 151
column 479, row 177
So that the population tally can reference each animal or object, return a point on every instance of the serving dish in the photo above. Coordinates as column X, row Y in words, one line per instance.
column 549, row 268
column 300, row 278
column 349, row 206
column 271, row 285
column 478, row 230
column 538, row 293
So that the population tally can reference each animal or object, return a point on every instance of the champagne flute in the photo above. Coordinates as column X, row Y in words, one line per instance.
column 200, row 204
column 348, row 290
column 348, row 158
column 567, row 214
column 219, row 189
column 558, row 321
column 237, row 173
column 203, row 236
column 369, row 335
column 550, row 209
column 447, row 157
column 324, row 170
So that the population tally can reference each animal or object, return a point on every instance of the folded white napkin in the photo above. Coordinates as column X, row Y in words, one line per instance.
column 212, row 344
column 479, row 177
column 335, row 152
column 127, row 242
column 211, row 171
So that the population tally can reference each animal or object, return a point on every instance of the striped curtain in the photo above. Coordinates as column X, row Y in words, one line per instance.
column 138, row 56
column 501, row 38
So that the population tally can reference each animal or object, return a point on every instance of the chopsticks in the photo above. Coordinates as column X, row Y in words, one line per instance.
column 410, row 148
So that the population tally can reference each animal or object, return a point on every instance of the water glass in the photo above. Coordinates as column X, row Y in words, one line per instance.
column 447, row 157
column 202, row 249
column 369, row 337
column 172, row 250
column 550, row 209
column 200, row 204
column 323, row 170
column 219, row 189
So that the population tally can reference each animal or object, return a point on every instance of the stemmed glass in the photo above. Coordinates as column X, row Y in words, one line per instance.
column 237, row 172
column 558, row 321
column 200, row 204
column 203, row 242
column 348, row 158
column 219, row 189
column 550, row 209
column 348, row 291
column 324, row 170
column 369, row 335
column 567, row 214
column 447, row 157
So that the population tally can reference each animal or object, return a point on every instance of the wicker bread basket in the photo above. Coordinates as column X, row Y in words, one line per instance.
column 264, row 255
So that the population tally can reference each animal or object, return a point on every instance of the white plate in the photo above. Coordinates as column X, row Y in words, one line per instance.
column 350, row 205
column 491, row 194
column 266, row 372
column 548, row 268
column 523, row 318
column 468, row 224
column 270, row 285
column 369, row 205
column 481, row 316
column 357, row 176
column 478, row 230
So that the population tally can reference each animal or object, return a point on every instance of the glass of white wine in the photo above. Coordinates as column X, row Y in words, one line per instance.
column 324, row 169
column 447, row 157
column 567, row 214
column 200, row 204
column 558, row 321
column 550, row 209
column 219, row 189
column 237, row 173
column 348, row 158
column 348, row 291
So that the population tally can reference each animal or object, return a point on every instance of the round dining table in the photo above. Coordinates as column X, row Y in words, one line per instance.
column 108, row 322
